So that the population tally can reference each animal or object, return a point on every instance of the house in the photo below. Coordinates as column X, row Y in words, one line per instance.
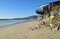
column 45, row 9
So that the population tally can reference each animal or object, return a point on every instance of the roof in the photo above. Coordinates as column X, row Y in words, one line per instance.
column 43, row 5
column 40, row 6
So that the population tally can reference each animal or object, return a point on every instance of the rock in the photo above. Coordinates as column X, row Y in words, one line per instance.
column 59, row 13
column 32, row 28
column 55, row 29
column 51, row 17
column 58, row 28
column 51, row 25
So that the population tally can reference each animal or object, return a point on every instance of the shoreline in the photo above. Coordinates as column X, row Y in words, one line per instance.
column 17, row 23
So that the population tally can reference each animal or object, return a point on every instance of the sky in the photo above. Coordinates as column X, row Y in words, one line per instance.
column 19, row 8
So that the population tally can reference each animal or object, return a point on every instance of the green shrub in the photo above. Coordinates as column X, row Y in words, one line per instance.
column 55, row 7
column 46, row 12
column 56, row 18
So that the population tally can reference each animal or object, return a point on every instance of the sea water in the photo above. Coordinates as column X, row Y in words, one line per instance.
column 9, row 22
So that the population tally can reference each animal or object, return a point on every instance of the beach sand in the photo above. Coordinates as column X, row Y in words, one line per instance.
column 24, row 31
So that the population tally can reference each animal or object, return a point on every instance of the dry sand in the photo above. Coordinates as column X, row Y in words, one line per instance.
column 23, row 31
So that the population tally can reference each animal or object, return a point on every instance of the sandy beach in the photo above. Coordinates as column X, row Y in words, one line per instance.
column 24, row 31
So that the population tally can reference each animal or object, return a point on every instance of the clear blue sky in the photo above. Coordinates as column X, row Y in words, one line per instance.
column 19, row 8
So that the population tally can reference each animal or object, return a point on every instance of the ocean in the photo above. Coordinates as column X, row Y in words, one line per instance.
column 9, row 22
